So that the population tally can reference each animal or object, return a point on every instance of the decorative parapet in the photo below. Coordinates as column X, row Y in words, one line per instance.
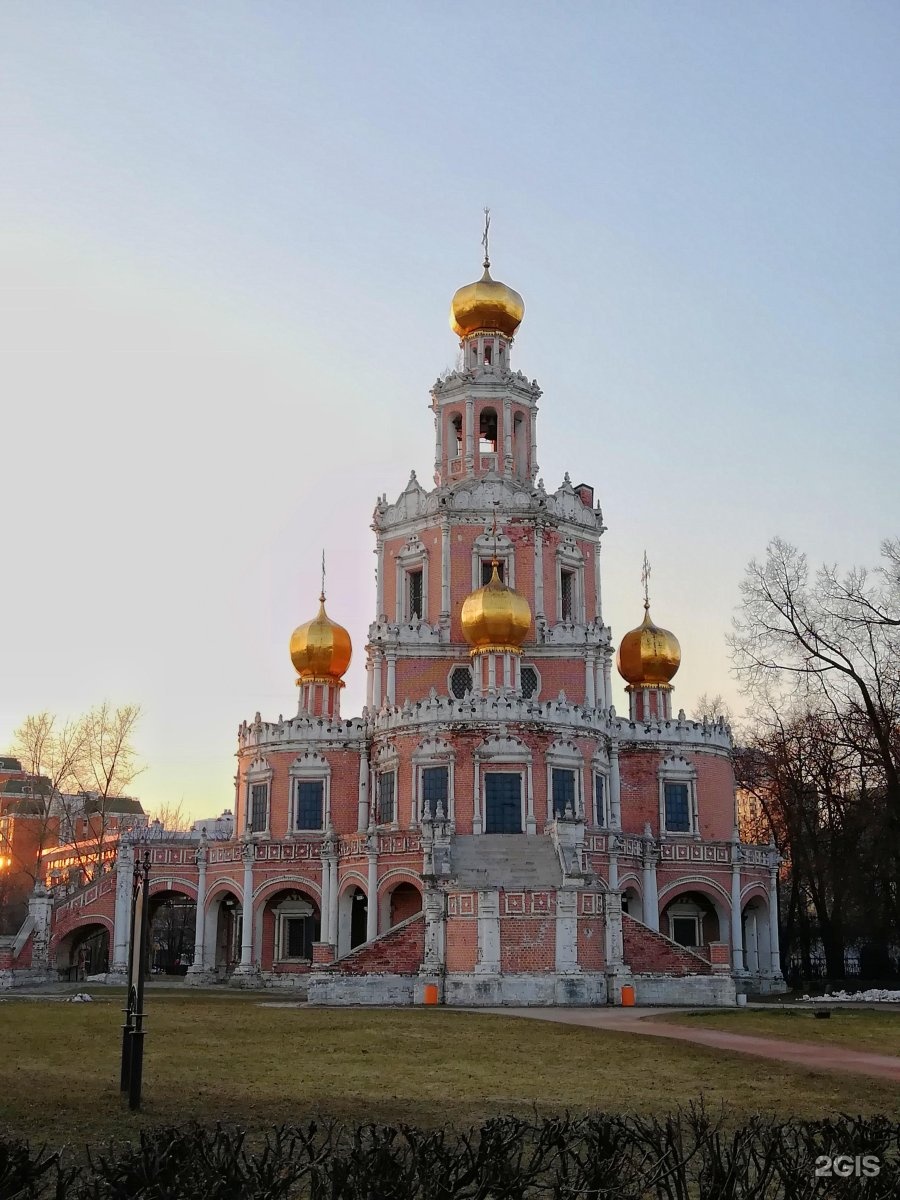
column 417, row 633
column 299, row 731
column 573, row 718
column 293, row 850
column 572, row 634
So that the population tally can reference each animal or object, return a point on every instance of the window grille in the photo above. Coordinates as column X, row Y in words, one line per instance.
column 502, row 802
column 567, row 594
column 460, row 681
column 600, row 799
column 487, row 570
column 415, row 595
column 529, row 682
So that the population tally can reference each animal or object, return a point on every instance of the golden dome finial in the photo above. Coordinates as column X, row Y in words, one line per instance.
column 648, row 656
column 486, row 306
column 321, row 649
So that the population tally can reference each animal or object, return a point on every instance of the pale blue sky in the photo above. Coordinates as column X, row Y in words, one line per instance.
column 229, row 234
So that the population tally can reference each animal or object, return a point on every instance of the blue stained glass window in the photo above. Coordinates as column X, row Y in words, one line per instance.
column 310, row 796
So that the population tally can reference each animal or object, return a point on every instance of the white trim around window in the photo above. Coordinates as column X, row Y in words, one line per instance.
column 309, row 768
column 678, row 771
column 259, row 774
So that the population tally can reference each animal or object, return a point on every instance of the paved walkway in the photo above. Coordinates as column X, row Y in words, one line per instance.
column 814, row 1056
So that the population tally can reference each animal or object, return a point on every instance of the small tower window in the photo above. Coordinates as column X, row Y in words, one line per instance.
column 567, row 595
column 414, row 595
column 310, row 793
column 563, row 786
column 488, row 353
column 529, row 682
column 487, row 431
column 460, row 682
column 487, row 570
column 386, row 804
column 456, row 425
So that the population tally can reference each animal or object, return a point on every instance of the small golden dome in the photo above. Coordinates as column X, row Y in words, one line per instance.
column 648, row 656
column 320, row 649
column 495, row 618
column 486, row 305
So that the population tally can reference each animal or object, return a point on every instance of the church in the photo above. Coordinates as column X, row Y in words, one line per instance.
column 489, row 830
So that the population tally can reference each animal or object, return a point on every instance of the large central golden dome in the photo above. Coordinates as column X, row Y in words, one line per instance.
column 486, row 305
column 648, row 656
column 495, row 618
column 320, row 649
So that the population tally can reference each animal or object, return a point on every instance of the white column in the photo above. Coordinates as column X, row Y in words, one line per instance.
column 379, row 578
column 333, row 909
column 378, row 694
column 538, row 570
column 613, row 863
column 567, row 933
column 488, row 933
column 247, row 910
column 737, row 933
column 445, row 570
column 752, row 944
column 774, row 933
column 590, row 698
column 534, row 462
column 507, row 436
column 476, row 817
column 372, row 888
column 121, row 928
column 470, row 434
column 325, row 911
column 492, row 672
column 199, row 962
column 598, row 592
column 362, row 806
column 438, row 439
column 615, row 788
column 607, row 679
column 651, row 892
column 530, row 822
column 370, row 682
column 391, row 677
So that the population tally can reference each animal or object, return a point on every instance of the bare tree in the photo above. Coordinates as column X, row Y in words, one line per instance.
column 50, row 752
column 710, row 708
column 107, row 766
column 171, row 815
column 831, row 641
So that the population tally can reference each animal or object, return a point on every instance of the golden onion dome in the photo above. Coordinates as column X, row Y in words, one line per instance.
column 648, row 656
column 320, row 649
column 486, row 305
column 495, row 618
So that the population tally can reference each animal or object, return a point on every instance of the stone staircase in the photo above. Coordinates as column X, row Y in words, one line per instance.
column 647, row 952
column 400, row 951
column 514, row 862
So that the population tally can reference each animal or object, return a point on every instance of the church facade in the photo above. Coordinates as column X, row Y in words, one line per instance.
column 489, row 831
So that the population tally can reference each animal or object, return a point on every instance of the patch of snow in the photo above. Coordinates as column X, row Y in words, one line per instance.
column 81, row 998
column 873, row 995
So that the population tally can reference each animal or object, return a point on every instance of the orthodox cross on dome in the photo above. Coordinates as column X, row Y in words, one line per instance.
column 484, row 238
column 322, row 592
column 495, row 560
column 645, row 580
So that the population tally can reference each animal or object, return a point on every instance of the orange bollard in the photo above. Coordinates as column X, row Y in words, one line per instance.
column 627, row 996
column 430, row 995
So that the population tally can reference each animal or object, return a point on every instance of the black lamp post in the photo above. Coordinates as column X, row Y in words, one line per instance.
column 133, row 1029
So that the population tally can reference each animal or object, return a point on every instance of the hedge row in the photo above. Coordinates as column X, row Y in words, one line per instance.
column 599, row 1157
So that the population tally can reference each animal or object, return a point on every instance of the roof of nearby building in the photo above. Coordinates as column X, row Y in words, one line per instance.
column 34, row 784
column 9, row 764
column 112, row 804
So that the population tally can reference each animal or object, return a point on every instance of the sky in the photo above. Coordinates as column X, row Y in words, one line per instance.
column 229, row 235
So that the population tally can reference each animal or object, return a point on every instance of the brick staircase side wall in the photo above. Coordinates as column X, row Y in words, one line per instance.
column 647, row 952
column 400, row 951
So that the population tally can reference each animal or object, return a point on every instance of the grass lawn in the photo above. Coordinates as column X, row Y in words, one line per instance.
column 858, row 1029
column 230, row 1058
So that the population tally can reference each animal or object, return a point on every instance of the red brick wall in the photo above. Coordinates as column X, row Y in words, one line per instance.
column 527, row 944
column 591, row 950
column 401, row 951
column 648, row 952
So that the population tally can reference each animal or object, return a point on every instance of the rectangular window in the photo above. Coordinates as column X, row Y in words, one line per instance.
column 297, row 937
column 600, row 799
column 563, row 792
column 386, row 807
column 259, row 804
column 685, row 931
column 435, row 790
column 502, row 802
column 567, row 595
column 487, row 570
column 310, row 803
column 414, row 595
column 678, row 808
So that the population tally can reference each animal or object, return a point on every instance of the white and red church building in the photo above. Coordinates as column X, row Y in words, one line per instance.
column 489, row 830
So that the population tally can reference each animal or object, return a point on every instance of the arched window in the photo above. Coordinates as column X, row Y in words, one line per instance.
column 487, row 431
